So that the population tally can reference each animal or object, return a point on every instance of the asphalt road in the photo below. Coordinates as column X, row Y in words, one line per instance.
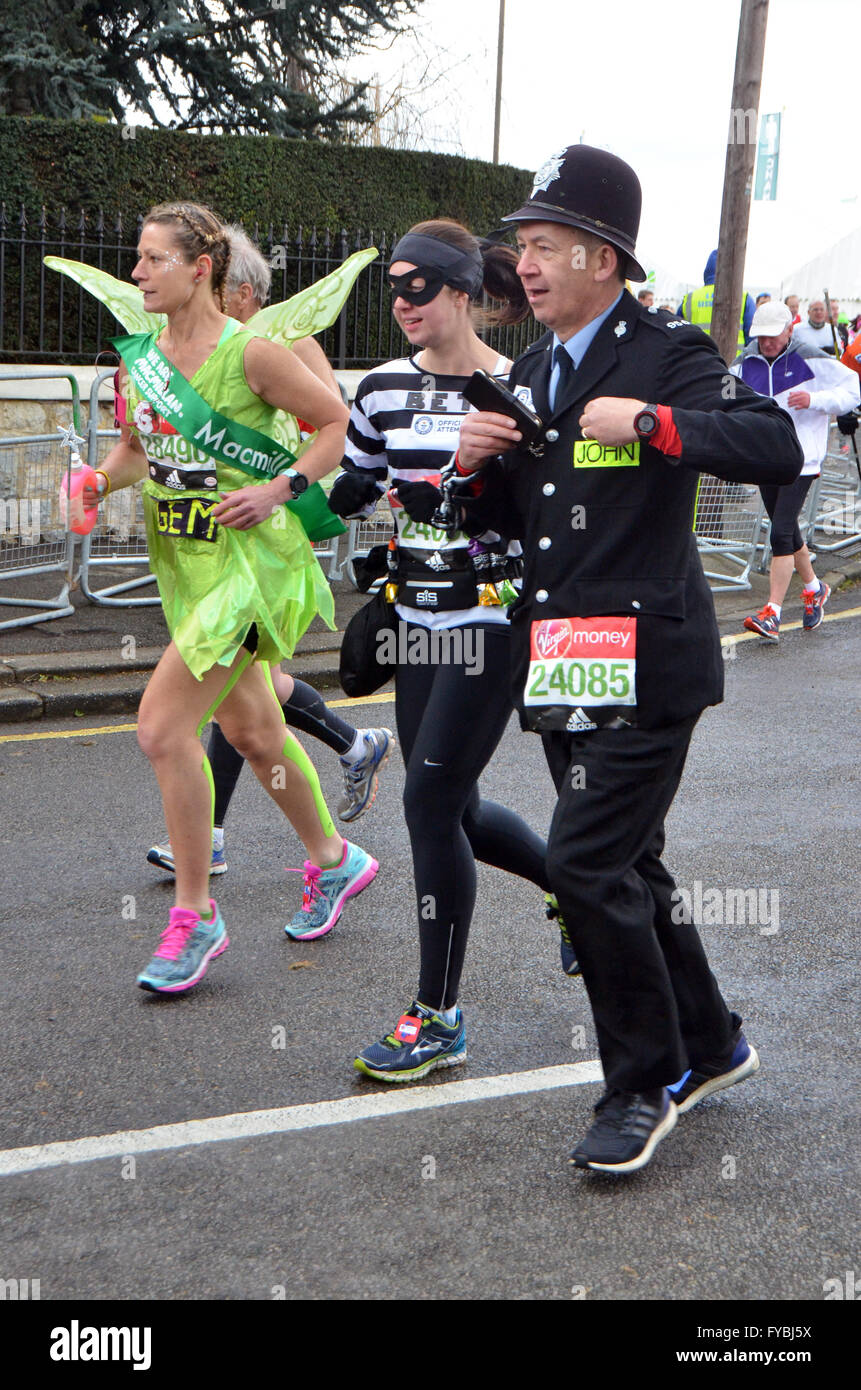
column 753, row 1196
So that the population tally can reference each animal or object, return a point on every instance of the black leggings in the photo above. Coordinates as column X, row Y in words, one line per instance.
column 305, row 710
column 783, row 505
column 449, row 725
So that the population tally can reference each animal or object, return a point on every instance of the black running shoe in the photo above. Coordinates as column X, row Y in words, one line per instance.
column 567, row 954
column 715, row 1075
column 627, row 1129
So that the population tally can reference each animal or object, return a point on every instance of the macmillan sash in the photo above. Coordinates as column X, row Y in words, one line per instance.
column 241, row 446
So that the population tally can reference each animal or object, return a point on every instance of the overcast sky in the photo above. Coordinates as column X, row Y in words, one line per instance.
column 653, row 82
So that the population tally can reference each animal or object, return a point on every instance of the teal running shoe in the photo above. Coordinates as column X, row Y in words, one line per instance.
column 326, row 891
column 421, row 1041
column 187, row 946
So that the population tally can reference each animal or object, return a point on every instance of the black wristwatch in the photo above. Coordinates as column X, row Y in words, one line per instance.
column 646, row 422
column 298, row 482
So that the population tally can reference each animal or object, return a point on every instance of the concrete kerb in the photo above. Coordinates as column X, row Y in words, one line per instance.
column 51, row 685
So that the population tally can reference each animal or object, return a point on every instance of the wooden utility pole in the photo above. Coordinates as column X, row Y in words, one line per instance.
column 498, row 82
column 738, row 176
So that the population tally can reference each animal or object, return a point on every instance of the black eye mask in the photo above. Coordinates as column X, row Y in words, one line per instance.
column 401, row 285
column 439, row 263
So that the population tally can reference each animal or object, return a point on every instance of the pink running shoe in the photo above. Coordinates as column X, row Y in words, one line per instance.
column 187, row 946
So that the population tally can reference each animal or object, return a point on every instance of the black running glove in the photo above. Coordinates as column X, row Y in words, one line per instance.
column 847, row 424
column 352, row 492
column 419, row 499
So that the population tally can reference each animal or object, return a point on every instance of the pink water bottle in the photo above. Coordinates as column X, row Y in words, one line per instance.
column 73, row 513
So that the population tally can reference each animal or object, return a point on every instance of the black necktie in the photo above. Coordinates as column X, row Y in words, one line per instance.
column 562, row 359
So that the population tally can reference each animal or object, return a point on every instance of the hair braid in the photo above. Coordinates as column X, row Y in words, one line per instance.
column 197, row 232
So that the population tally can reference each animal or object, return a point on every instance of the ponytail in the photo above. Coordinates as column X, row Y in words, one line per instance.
column 503, row 285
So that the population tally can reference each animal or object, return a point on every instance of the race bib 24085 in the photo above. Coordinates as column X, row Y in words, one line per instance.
column 584, row 664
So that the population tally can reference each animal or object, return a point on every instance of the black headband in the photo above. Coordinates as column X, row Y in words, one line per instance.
column 463, row 270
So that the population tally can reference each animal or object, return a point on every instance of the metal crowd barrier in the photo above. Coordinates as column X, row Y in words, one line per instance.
column 378, row 530
column 727, row 526
column 118, row 538
column 33, row 539
column 837, row 519
column 830, row 519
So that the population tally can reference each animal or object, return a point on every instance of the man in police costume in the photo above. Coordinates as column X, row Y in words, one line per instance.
column 616, row 649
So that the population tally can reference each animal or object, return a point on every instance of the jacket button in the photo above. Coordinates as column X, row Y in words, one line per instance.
column 635, row 604
column 549, row 489
column 544, row 543
column 542, row 596
column 551, row 436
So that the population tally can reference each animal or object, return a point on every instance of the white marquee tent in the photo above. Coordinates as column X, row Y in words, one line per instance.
column 837, row 270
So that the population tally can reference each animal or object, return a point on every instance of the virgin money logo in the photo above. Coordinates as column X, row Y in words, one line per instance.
column 553, row 638
column 143, row 418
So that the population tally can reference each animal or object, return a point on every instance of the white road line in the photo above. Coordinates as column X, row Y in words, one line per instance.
column 293, row 1117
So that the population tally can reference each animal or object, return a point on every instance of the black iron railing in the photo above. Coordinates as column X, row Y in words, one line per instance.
column 46, row 318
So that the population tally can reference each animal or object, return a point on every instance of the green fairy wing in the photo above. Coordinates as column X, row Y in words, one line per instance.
column 308, row 312
column 314, row 308
column 124, row 300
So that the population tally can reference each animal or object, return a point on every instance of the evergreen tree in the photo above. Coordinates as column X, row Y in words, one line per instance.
column 256, row 66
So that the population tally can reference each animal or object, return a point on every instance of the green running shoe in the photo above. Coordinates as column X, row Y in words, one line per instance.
column 567, row 954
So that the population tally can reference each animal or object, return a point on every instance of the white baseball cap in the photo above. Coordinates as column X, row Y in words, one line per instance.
column 770, row 320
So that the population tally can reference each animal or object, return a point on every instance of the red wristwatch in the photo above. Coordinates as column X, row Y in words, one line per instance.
column 646, row 422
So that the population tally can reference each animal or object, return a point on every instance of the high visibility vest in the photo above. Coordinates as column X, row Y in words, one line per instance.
column 697, row 308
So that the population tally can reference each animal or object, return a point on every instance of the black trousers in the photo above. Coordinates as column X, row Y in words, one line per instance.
column 783, row 505
column 656, row 1004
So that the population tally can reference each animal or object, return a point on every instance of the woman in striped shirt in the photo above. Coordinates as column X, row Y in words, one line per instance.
column 452, row 678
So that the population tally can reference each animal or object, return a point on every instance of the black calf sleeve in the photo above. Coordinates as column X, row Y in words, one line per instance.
column 226, row 766
column 307, row 710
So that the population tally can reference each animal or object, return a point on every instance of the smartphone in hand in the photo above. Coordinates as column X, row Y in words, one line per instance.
column 486, row 393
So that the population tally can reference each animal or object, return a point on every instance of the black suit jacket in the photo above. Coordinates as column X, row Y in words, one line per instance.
column 619, row 540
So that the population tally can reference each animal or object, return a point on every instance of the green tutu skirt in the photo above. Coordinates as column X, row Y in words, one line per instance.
column 212, row 591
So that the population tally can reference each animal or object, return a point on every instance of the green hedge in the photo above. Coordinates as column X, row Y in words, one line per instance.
column 90, row 165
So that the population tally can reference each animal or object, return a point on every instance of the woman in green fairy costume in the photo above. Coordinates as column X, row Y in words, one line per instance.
column 238, row 578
